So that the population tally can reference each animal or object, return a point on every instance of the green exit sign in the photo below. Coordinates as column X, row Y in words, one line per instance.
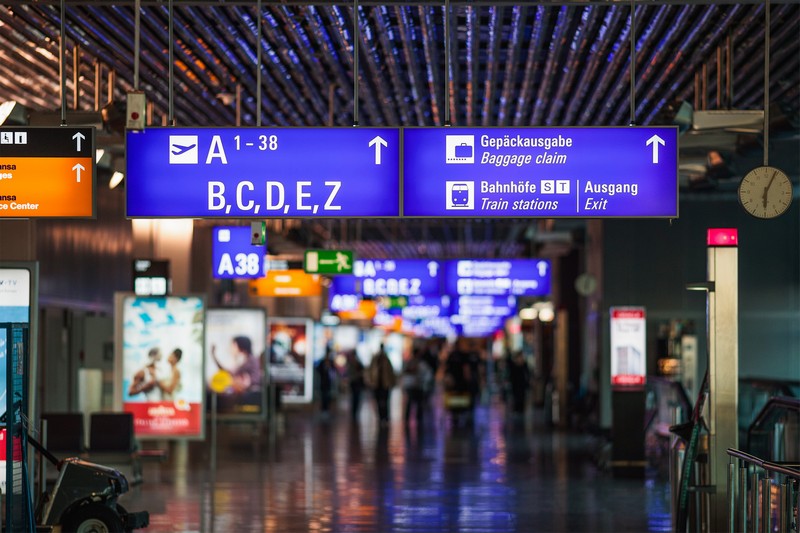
column 328, row 262
column 394, row 302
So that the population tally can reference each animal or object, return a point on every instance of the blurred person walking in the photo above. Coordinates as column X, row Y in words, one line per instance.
column 381, row 380
column 325, row 372
column 355, row 378
column 416, row 378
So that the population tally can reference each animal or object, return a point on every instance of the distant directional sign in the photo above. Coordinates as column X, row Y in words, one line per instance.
column 47, row 172
column 328, row 262
column 263, row 172
column 390, row 277
column 234, row 256
column 592, row 172
column 496, row 277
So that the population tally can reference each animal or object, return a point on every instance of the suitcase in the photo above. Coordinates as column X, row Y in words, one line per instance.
column 463, row 150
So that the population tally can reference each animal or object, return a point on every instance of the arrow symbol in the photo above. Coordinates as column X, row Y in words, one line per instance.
column 377, row 142
column 655, row 140
column 78, row 168
column 78, row 137
column 542, row 267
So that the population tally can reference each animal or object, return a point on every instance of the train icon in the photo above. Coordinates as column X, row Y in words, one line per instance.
column 460, row 194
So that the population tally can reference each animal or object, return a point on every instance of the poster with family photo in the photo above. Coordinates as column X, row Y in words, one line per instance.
column 160, row 364
column 235, row 345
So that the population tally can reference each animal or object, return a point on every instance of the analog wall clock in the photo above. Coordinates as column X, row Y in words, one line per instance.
column 765, row 192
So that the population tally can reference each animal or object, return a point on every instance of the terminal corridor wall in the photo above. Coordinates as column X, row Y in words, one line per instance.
column 650, row 262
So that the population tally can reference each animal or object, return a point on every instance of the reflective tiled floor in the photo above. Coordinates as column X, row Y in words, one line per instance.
column 315, row 474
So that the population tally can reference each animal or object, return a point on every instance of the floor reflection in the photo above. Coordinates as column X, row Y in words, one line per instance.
column 320, row 475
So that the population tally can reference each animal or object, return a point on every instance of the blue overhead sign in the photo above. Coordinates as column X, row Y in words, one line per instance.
column 501, row 306
column 388, row 277
column 234, row 256
column 591, row 172
column 477, row 326
column 263, row 172
column 497, row 277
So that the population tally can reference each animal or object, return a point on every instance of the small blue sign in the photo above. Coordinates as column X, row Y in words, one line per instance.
column 497, row 277
column 234, row 256
column 422, row 307
column 591, row 172
column 480, row 326
column 388, row 277
column 263, row 173
column 501, row 306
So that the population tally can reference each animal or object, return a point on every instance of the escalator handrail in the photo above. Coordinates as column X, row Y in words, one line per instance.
column 776, row 402
column 769, row 466
column 785, row 386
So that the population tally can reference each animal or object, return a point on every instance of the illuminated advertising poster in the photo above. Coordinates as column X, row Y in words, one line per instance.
column 628, row 348
column 291, row 363
column 15, row 296
column 162, row 365
column 235, row 342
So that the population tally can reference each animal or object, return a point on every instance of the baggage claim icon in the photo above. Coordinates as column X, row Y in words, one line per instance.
column 460, row 150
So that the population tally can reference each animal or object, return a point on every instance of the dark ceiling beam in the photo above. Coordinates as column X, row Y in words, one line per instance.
column 409, row 40
column 472, row 38
column 499, row 3
column 551, row 67
column 390, row 43
column 492, row 62
column 511, row 69
column 582, row 38
column 432, row 64
column 333, row 63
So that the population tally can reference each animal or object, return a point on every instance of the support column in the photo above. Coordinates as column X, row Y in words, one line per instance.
column 17, row 240
column 723, row 364
column 169, row 239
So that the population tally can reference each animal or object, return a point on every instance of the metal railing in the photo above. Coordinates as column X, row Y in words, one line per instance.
column 762, row 493
column 774, row 434
column 750, row 506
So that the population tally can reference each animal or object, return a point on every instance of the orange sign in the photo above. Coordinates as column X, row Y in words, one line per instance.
column 32, row 187
column 286, row 283
column 366, row 310
column 47, row 172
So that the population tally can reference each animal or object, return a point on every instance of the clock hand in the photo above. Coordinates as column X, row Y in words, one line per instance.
column 766, row 189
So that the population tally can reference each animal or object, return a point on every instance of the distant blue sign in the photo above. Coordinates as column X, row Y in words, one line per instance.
column 501, row 306
column 233, row 255
column 588, row 172
column 263, row 173
column 481, row 326
column 390, row 277
column 497, row 277
column 422, row 307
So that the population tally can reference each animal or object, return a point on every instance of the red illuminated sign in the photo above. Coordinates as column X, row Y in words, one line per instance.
column 722, row 237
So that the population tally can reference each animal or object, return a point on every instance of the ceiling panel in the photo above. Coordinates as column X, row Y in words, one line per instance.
column 526, row 64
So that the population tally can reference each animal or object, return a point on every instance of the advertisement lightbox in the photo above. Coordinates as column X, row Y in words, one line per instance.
column 291, row 363
column 15, row 301
column 235, row 345
column 160, row 364
column 628, row 347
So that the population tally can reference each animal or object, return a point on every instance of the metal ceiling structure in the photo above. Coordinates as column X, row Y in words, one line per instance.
column 526, row 64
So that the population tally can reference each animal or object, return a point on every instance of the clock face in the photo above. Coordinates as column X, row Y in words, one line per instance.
column 585, row 284
column 765, row 192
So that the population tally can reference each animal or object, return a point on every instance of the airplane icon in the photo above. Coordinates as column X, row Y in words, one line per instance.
column 178, row 149
column 183, row 149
